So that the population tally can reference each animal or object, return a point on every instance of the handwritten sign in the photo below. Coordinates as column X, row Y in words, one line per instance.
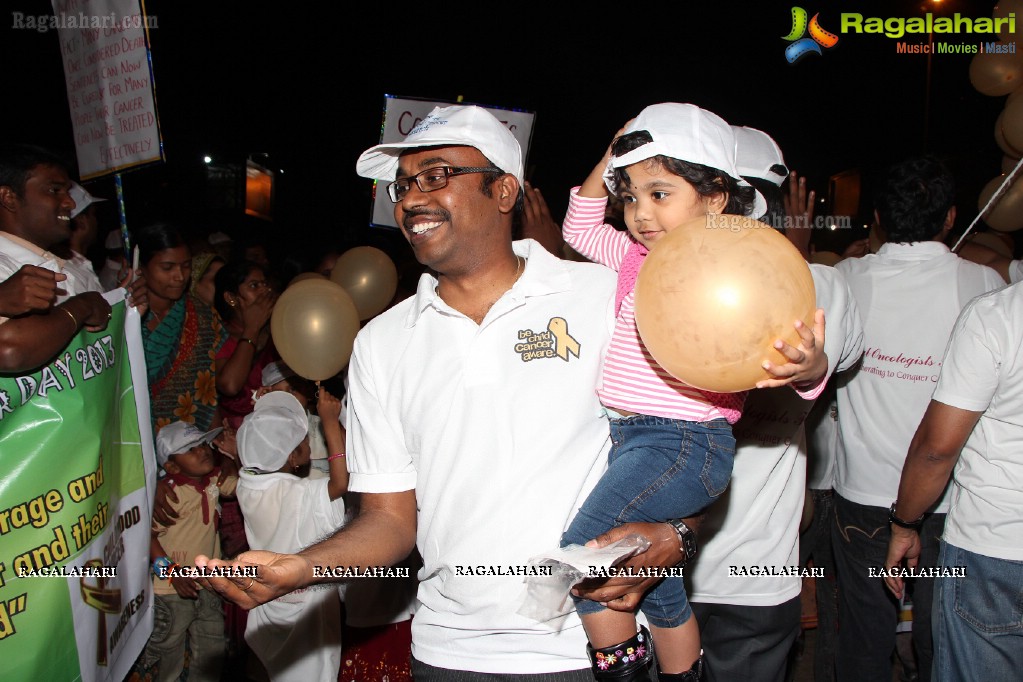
column 401, row 115
column 109, row 84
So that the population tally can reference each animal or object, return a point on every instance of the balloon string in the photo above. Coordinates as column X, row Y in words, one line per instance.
column 990, row 202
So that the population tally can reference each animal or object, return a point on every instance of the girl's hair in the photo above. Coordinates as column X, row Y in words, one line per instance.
column 707, row 181
column 230, row 278
column 157, row 237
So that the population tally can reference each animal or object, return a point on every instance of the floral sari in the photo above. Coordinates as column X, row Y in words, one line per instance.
column 180, row 366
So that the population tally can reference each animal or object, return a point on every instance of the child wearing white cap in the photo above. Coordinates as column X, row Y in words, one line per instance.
column 278, row 376
column 181, row 606
column 298, row 636
column 672, row 444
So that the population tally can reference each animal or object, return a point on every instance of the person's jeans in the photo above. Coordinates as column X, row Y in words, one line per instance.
column 202, row 620
column 658, row 469
column 815, row 543
column 867, row 611
column 978, row 620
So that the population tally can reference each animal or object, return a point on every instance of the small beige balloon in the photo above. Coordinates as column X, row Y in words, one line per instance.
column 314, row 324
column 1006, row 214
column 996, row 73
column 370, row 278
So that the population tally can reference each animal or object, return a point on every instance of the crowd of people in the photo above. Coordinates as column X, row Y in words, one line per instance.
column 509, row 405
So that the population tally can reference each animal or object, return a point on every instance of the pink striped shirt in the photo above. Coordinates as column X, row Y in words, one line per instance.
column 631, row 379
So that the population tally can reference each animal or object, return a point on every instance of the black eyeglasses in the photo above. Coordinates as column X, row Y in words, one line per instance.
column 433, row 179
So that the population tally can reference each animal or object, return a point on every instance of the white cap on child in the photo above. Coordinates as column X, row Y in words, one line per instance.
column 272, row 431
column 276, row 372
column 178, row 437
column 757, row 155
column 687, row 133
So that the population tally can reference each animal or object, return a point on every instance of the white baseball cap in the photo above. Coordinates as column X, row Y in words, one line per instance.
column 113, row 240
column 276, row 372
column 757, row 154
column 459, row 125
column 687, row 133
column 179, row 437
column 82, row 198
column 274, row 428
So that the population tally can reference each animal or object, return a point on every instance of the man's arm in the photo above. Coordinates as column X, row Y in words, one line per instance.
column 933, row 454
column 383, row 534
column 624, row 594
column 33, row 340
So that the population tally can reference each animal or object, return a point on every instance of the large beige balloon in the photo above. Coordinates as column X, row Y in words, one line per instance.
column 370, row 278
column 996, row 73
column 714, row 294
column 1006, row 215
column 314, row 324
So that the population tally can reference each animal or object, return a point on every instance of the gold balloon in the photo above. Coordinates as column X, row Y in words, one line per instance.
column 370, row 278
column 714, row 294
column 1009, row 128
column 996, row 73
column 304, row 276
column 314, row 324
column 1006, row 215
column 1002, row 11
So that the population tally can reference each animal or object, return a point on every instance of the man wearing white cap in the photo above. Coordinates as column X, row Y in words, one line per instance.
column 749, row 617
column 474, row 430
column 83, row 234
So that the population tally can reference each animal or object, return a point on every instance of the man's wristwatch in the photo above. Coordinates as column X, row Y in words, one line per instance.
column 687, row 540
column 911, row 525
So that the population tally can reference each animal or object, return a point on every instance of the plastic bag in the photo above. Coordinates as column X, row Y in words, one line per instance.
column 547, row 597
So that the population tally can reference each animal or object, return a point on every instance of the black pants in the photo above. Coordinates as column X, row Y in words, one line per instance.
column 747, row 642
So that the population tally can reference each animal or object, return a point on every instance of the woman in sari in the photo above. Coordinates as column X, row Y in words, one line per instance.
column 180, row 335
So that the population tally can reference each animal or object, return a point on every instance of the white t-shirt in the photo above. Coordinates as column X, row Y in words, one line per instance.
column 983, row 372
column 16, row 252
column 750, row 537
column 909, row 297
column 1015, row 271
column 498, row 429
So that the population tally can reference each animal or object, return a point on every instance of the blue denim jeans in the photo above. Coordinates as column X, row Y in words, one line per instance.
column 867, row 611
column 658, row 469
column 978, row 618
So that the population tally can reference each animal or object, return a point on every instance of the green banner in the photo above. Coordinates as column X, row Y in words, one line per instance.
column 77, row 475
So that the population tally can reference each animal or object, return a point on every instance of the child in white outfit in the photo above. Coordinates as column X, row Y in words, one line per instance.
column 297, row 636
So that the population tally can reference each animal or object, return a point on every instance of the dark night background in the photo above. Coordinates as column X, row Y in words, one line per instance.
column 304, row 83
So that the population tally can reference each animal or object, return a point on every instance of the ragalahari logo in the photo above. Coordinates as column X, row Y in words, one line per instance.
column 801, row 46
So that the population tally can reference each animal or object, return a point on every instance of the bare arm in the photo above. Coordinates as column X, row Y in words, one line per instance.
column 383, row 534
column 329, row 409
column 933, row 454
column 33, row 340
column 232, row 372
